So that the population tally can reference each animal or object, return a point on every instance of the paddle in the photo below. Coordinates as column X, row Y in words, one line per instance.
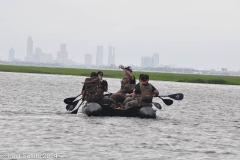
column 75, row 111
column 71, row 106
column 177, row 96
column 167, row 101
column 70, row 100
column 157, row 105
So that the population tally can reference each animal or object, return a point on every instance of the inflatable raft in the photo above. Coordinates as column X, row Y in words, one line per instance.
column 94, row 109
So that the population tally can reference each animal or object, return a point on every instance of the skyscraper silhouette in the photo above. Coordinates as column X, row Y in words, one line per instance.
column 147, row 61
column 29, row 45
column 37, row 55
column 88, row 59
column 62, row 56
column 11, row 55
column 155, row 59
column 111, row 56
column 29, row 57
column 99, row 56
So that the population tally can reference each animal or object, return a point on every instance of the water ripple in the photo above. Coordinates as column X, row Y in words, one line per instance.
column 205, row 125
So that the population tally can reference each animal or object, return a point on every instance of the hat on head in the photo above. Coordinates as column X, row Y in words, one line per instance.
column 128, row 68
column 93, row 74
column 140, row 76
column 100, row 72
column 144, row 77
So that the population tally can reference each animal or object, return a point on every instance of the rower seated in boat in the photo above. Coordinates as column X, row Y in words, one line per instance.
column 143, row 93
column 128, row 83
column 94, row 88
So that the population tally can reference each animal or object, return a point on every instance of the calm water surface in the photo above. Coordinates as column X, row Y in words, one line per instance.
column 33, row 120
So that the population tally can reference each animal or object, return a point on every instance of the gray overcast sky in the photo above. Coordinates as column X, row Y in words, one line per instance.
column 201, row 34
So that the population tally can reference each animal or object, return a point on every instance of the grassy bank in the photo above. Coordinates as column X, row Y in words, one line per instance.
column 175, row 77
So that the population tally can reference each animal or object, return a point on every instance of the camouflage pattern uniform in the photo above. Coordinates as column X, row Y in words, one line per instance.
column 144, row 99
column 109, row 101
column 93, row 90
column 126, row 87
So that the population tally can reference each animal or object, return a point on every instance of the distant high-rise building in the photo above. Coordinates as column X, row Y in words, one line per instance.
column 38, row 50
column 29, row 45
column 99, row 56
column 29, row 56
column 11, row 55
column 63, row 47
column 111, row 56
column 62, row 55
column 155, row 59
column 88, row 59
column 45, row 58
column 36, row 56
column 147, row 61
column 40, row 57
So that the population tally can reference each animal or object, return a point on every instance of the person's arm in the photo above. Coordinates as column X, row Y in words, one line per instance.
column 133, row 94
column 83, row 91
column 105, row 85
column 127, row 72
column 155, row 92
column 136, row 91
column 119, row 91
column 128, row 94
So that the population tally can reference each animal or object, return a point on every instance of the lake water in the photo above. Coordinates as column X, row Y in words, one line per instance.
column 34, row 123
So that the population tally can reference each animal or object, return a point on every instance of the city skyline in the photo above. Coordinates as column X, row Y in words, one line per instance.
column 62, row 57
column 191, row 34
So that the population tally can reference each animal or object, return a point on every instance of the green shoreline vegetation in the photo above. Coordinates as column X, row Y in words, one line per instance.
column 174, row 77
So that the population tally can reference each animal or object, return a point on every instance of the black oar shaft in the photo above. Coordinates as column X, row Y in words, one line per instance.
column 75, row 111
column 177, row 96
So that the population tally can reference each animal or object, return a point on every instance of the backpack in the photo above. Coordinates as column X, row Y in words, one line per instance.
column 93, row 90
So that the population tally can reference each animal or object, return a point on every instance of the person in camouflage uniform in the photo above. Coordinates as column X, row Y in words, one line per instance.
column 128, row 83
column 143, row 93
column 104, row 83
column 94, row 88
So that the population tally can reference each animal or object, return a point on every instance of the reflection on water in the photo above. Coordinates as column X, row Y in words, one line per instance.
column 204, row 125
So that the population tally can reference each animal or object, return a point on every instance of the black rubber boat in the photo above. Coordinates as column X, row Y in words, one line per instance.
column 94, row 109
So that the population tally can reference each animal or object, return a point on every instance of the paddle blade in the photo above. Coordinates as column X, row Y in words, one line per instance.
column 167, row 101
column 76, row 111
column 70, row 100
column 70, row 107
column 178, row 96
column 157, row 105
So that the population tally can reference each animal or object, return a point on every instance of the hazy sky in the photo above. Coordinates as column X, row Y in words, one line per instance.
column 201, row 34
